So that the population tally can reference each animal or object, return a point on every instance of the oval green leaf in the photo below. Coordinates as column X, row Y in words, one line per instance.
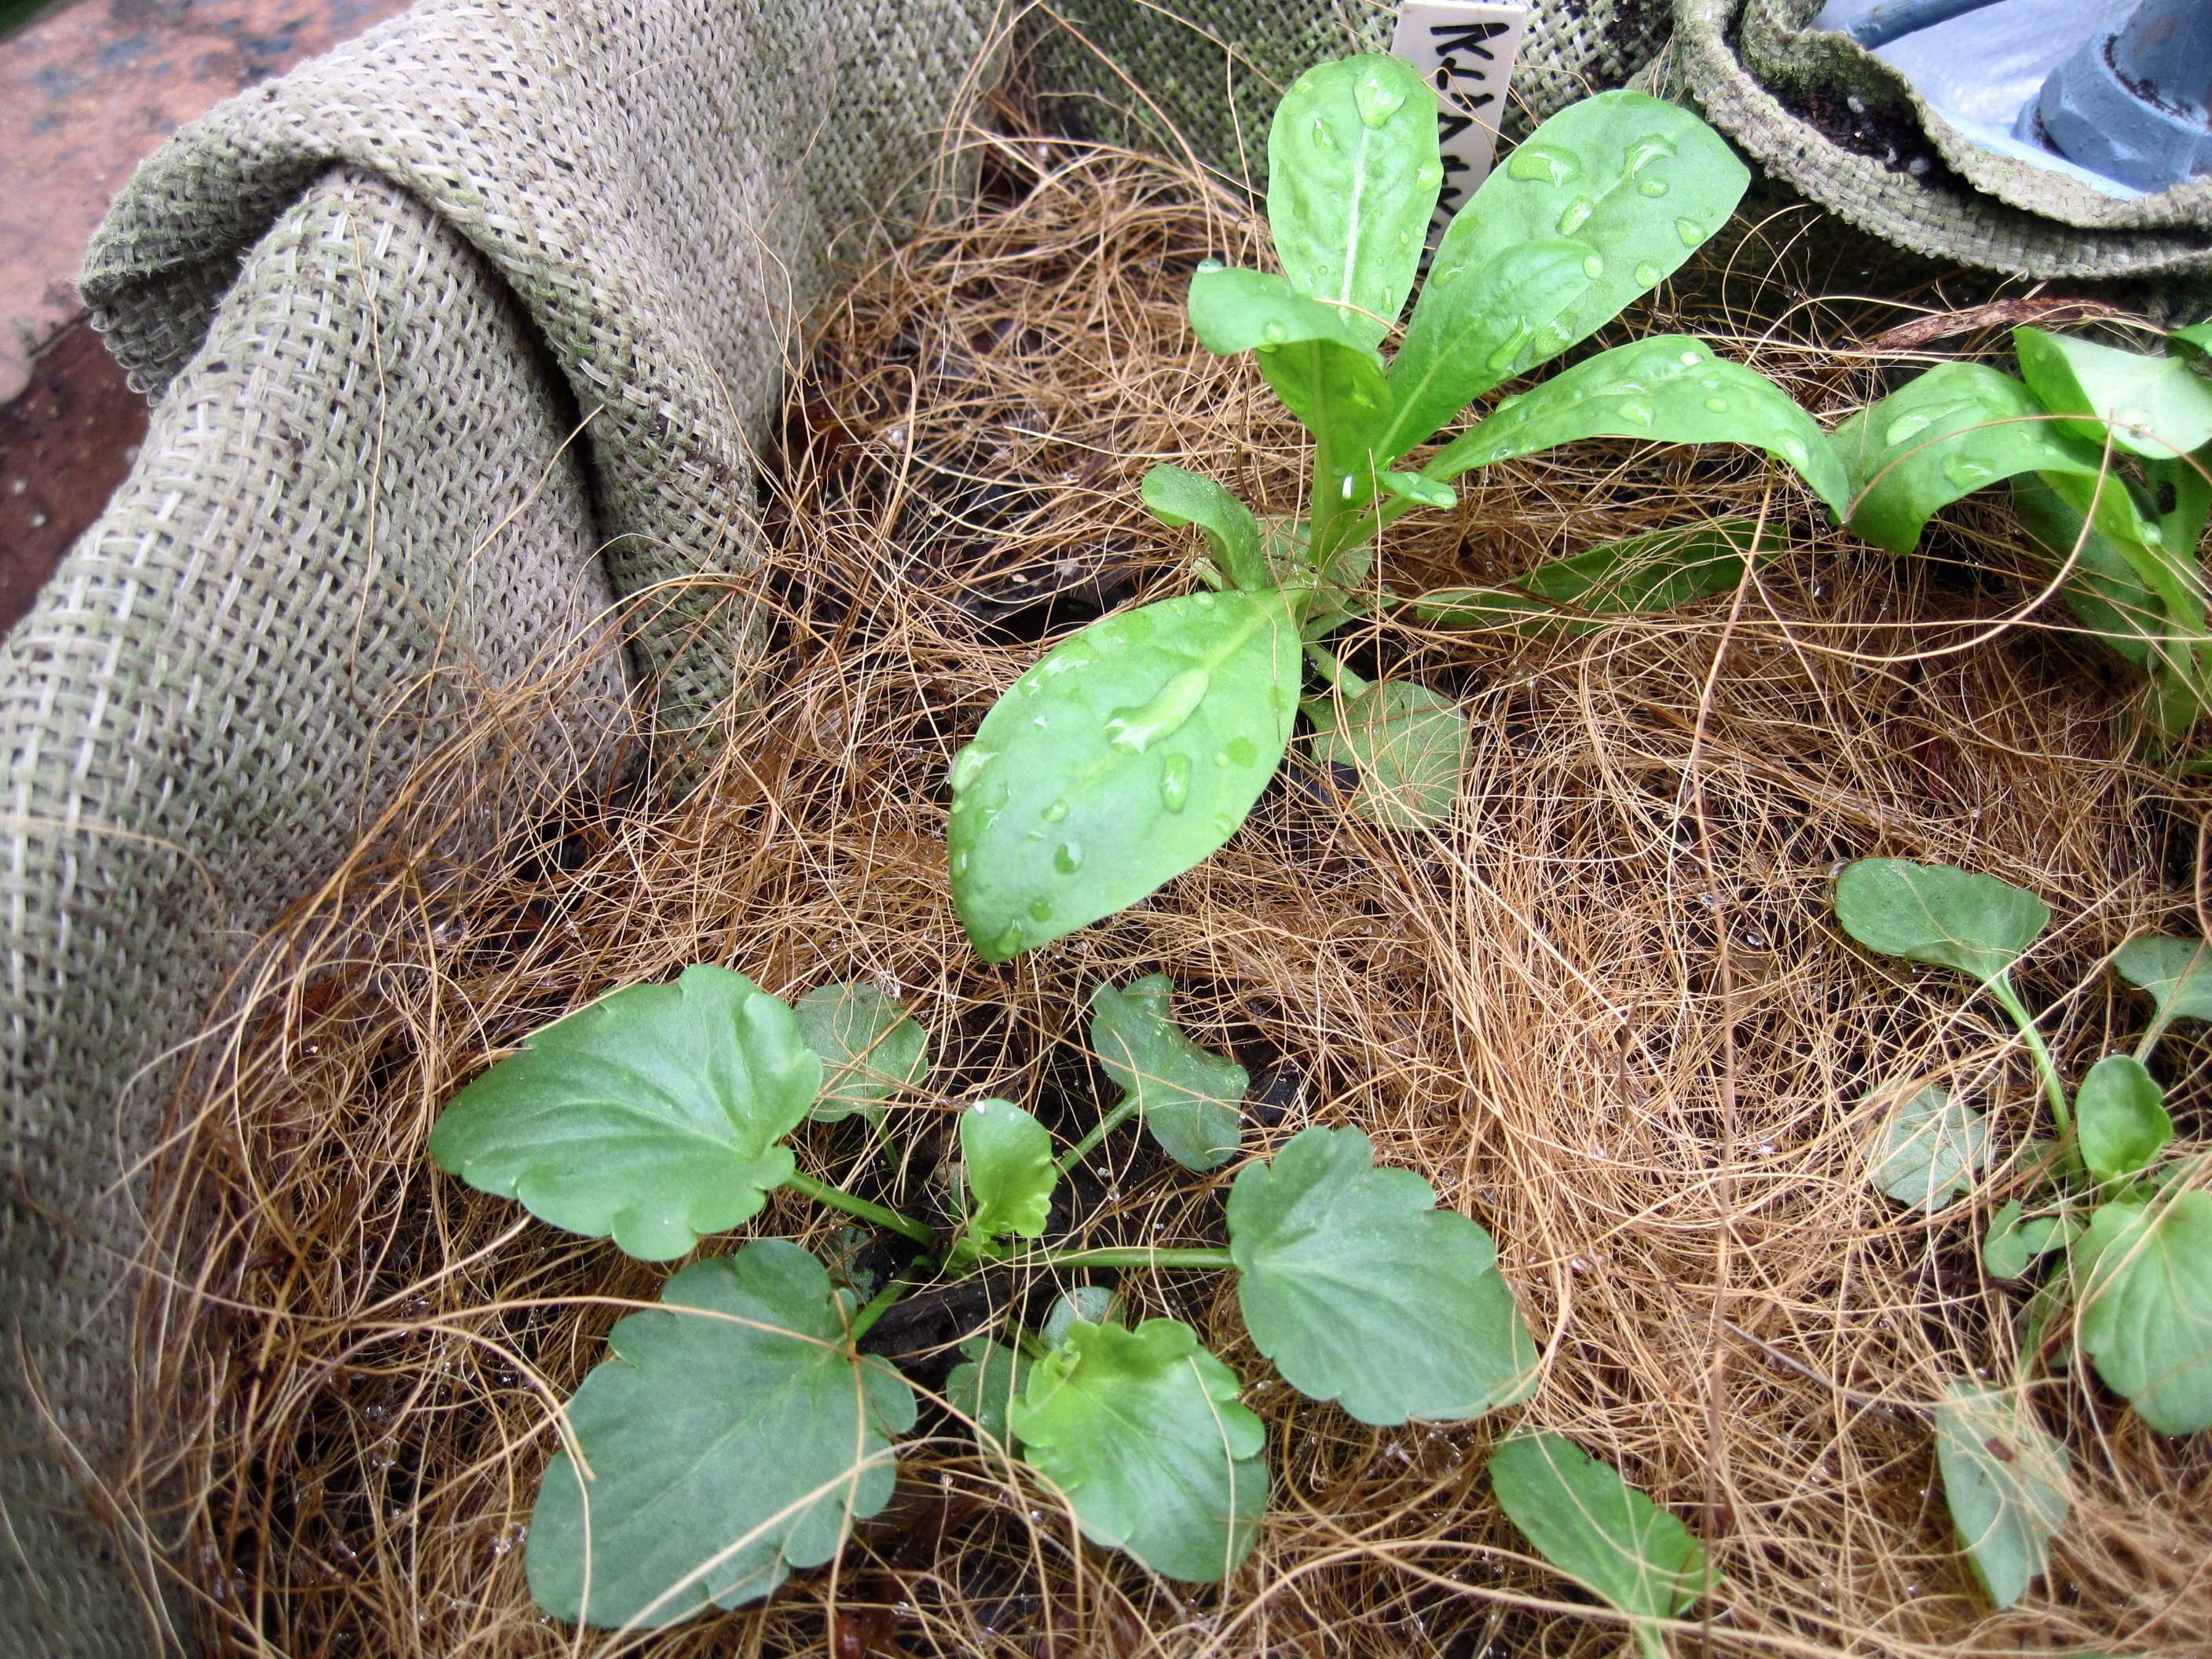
column 2146, row 1313
column 2006, row 1482
column 1362, row 1291
column 1178, row 496
column 871, row 1048
column 1321, row 367
column 650, row 1117
column 1407, row 743
column 1934, row 913
column 1188, row 1097
column 1658, row 571
column 732, row 1437
column 2152, row 406
column 1142, row 1433
column 1932, row 1146
column 1008, row 1158
column 2176, row 972
column 2119, row 1115
column 1128, row 753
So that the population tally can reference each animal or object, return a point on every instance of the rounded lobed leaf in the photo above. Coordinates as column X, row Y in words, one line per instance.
column 1592, row 1525
column 1128, row 753
column 1407, row 744
column 2013, row 1242
column 2006, row 1482
column 1931, row 1148
column 985, row 1384
column 731, row 1438
column 1008, row 1156
column 2146, row 1313
column 1362, row 1291
column 1188, row 1097
column 1934, row 913
column 2176, row 972
column 2119, row 1115
column 650, row 1117
column 871, row 1048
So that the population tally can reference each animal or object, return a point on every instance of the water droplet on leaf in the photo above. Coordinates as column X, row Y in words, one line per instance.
column 1378, row 100
column 1648, row 274
column 1275, row 331
column 1009, row 940
column 1067, row 857
column 1040, row 911
column 1576, row 215
column 1321, row 136
column 1718, row 405
column 1175, row 783
column 1543, row 164
column 1966, row 474
column 1636, row 414
column 968, row 765
column 1243, row 752
column 1055, row 812
column 1690, row 231
column 1136, row 729
column 1654, row 188
column 1647, row 149
column 1593, row 267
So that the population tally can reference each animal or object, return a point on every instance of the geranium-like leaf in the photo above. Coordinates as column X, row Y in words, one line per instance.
column 1142, row 1431
column 1932, row 1145
column 650, row 1117
column 871, row 1048
column 1592, row 1525
column 1188, row 1097
column 2176, row 972
column 732, row 1437
column 1086, row 1303
column 1407, row 743
column 1934, row 913
column 1362, row 1291
column 2005, row 1479
column 2013, row 1240
column 2119, row 1115
column 2147, row 1313
column 1008, row 1155
column 985, row 1384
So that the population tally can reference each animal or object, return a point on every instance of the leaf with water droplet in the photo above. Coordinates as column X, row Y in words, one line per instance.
column 1188, row 1097
column 2156, row 407
column 1349, row 214
column 1936, row 914
column 1670, row 385
column 1205, row 679
column 1641, row 575
column 1178, row 496
column 1407, row 743
column 1319, row 362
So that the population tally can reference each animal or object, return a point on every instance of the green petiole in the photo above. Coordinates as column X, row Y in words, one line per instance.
column 823, row 1193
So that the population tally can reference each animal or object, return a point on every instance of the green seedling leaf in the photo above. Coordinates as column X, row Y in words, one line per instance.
column 2176, row 972
column 1141, row 1430
column 2013, row 1242
column 2146, row 1313
column 1362, row 1292
column 1422, row 492
column 985, row 1384
column 1934, row 913
column 1178, row 497
column 1642, row 575
column 1596, row 1528
column 2006, row 1482
column 1188, row 1097
column 2113, row 602
column 2153, row 406
column 1669, row 389
column 2119, row 1113
column 871, row 1050
column 1008, row 1155
column 1317, row 357
column 1127, row 754
column 1086, row 1303
column 1352, row 175
column 650, row 1117
column 1931, row 1148
column 732, row 1437
column 1409, row 745
column 1640, row 183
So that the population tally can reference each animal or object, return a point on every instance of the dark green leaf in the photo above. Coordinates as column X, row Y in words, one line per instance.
column 1086, row 1303
column 650, row 1117
column 2154, row 406
column 1932, row 913
column 1126, row 755
column 2013, row 1242
column 1178, row 497
column 2006, row 1481
column 1188, row 1097
column 2119, row 1112
column 2147, row 1314
column 1930, row 1150
column 1669, row 389
column 870, row 1048
column 2104, row 590
column 1142, row 1431
column 1316, row 357
column 984, row 1385
column 1362, row 1292
column 1352, row 172
column 745, row 1434
column 2176, row 972
column 1008, row 1156
column 1658, row 571
column 1409, row 745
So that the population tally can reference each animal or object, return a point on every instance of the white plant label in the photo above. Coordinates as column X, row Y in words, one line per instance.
column 1466, row 50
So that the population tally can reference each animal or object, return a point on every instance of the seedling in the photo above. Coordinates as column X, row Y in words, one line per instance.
column 2133, row 1241
column 1135, row 748
column 2110, row 453
column 737, row 1432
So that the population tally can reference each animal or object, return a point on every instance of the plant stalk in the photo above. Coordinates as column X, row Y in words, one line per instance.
column 1105, row 1126
column 1133, row 1257
column 2054, row 1089
column 882, row 1303
column 823, row 1193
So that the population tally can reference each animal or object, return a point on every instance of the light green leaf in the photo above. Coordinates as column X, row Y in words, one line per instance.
column 1641, row 183
column 1594, row 1526
column 1352, row 172
column 2194, row 341
column 1188, row 1097
column 2176, row 972
column 2013, row 1242
column 745, row 1434
column 1008, row 1156
column 1142, row 1431
column 1421, row 491
column 1669, row 389
column 2147, row 1314
column 2153, row 406
column 2006, row 1481
column 1641, row 575
column 1409, row 745
column 1126, row 755
column 2119, row 1113
column 1178, row 497
column 1931, row 1148
column 1934, row 913
column 871, row 1048
column 1362, row 1292
column 650, row 1117
column 984, row 1386
column 1086, row 1303
column 1317, row 358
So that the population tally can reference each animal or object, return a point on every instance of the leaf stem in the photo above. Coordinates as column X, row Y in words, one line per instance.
column 2054, row 1089
column 865, row 1319
column 1133, row 1257
column 1332, row 669
column 823, row 1193
column 1105, row 1126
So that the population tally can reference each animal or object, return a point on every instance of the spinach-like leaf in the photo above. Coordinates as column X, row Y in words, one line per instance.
column 2146, row 1313
column 2176, row 972
column 2012, row 1242
column 2153, row 406
column 2119, row 1112
column 1657, row 571
column 2112, row 600
column 1407, row 743
column 1592, row 1525
column 2005, row 1479
column 871, row 1048
column 1934, row 913
column 1177, row 497
column 1127, row 754
column 1362, row 1292
column 650, row 1117
column 1930, row 1150
column 1669, row 389
column 1352, row 173
column 1187, row 1096
column 1316, row 357
column 732, row 1437
column 1008, row 1155
column 985, row 1384
column 1641, row 182
column 1141, row 1430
